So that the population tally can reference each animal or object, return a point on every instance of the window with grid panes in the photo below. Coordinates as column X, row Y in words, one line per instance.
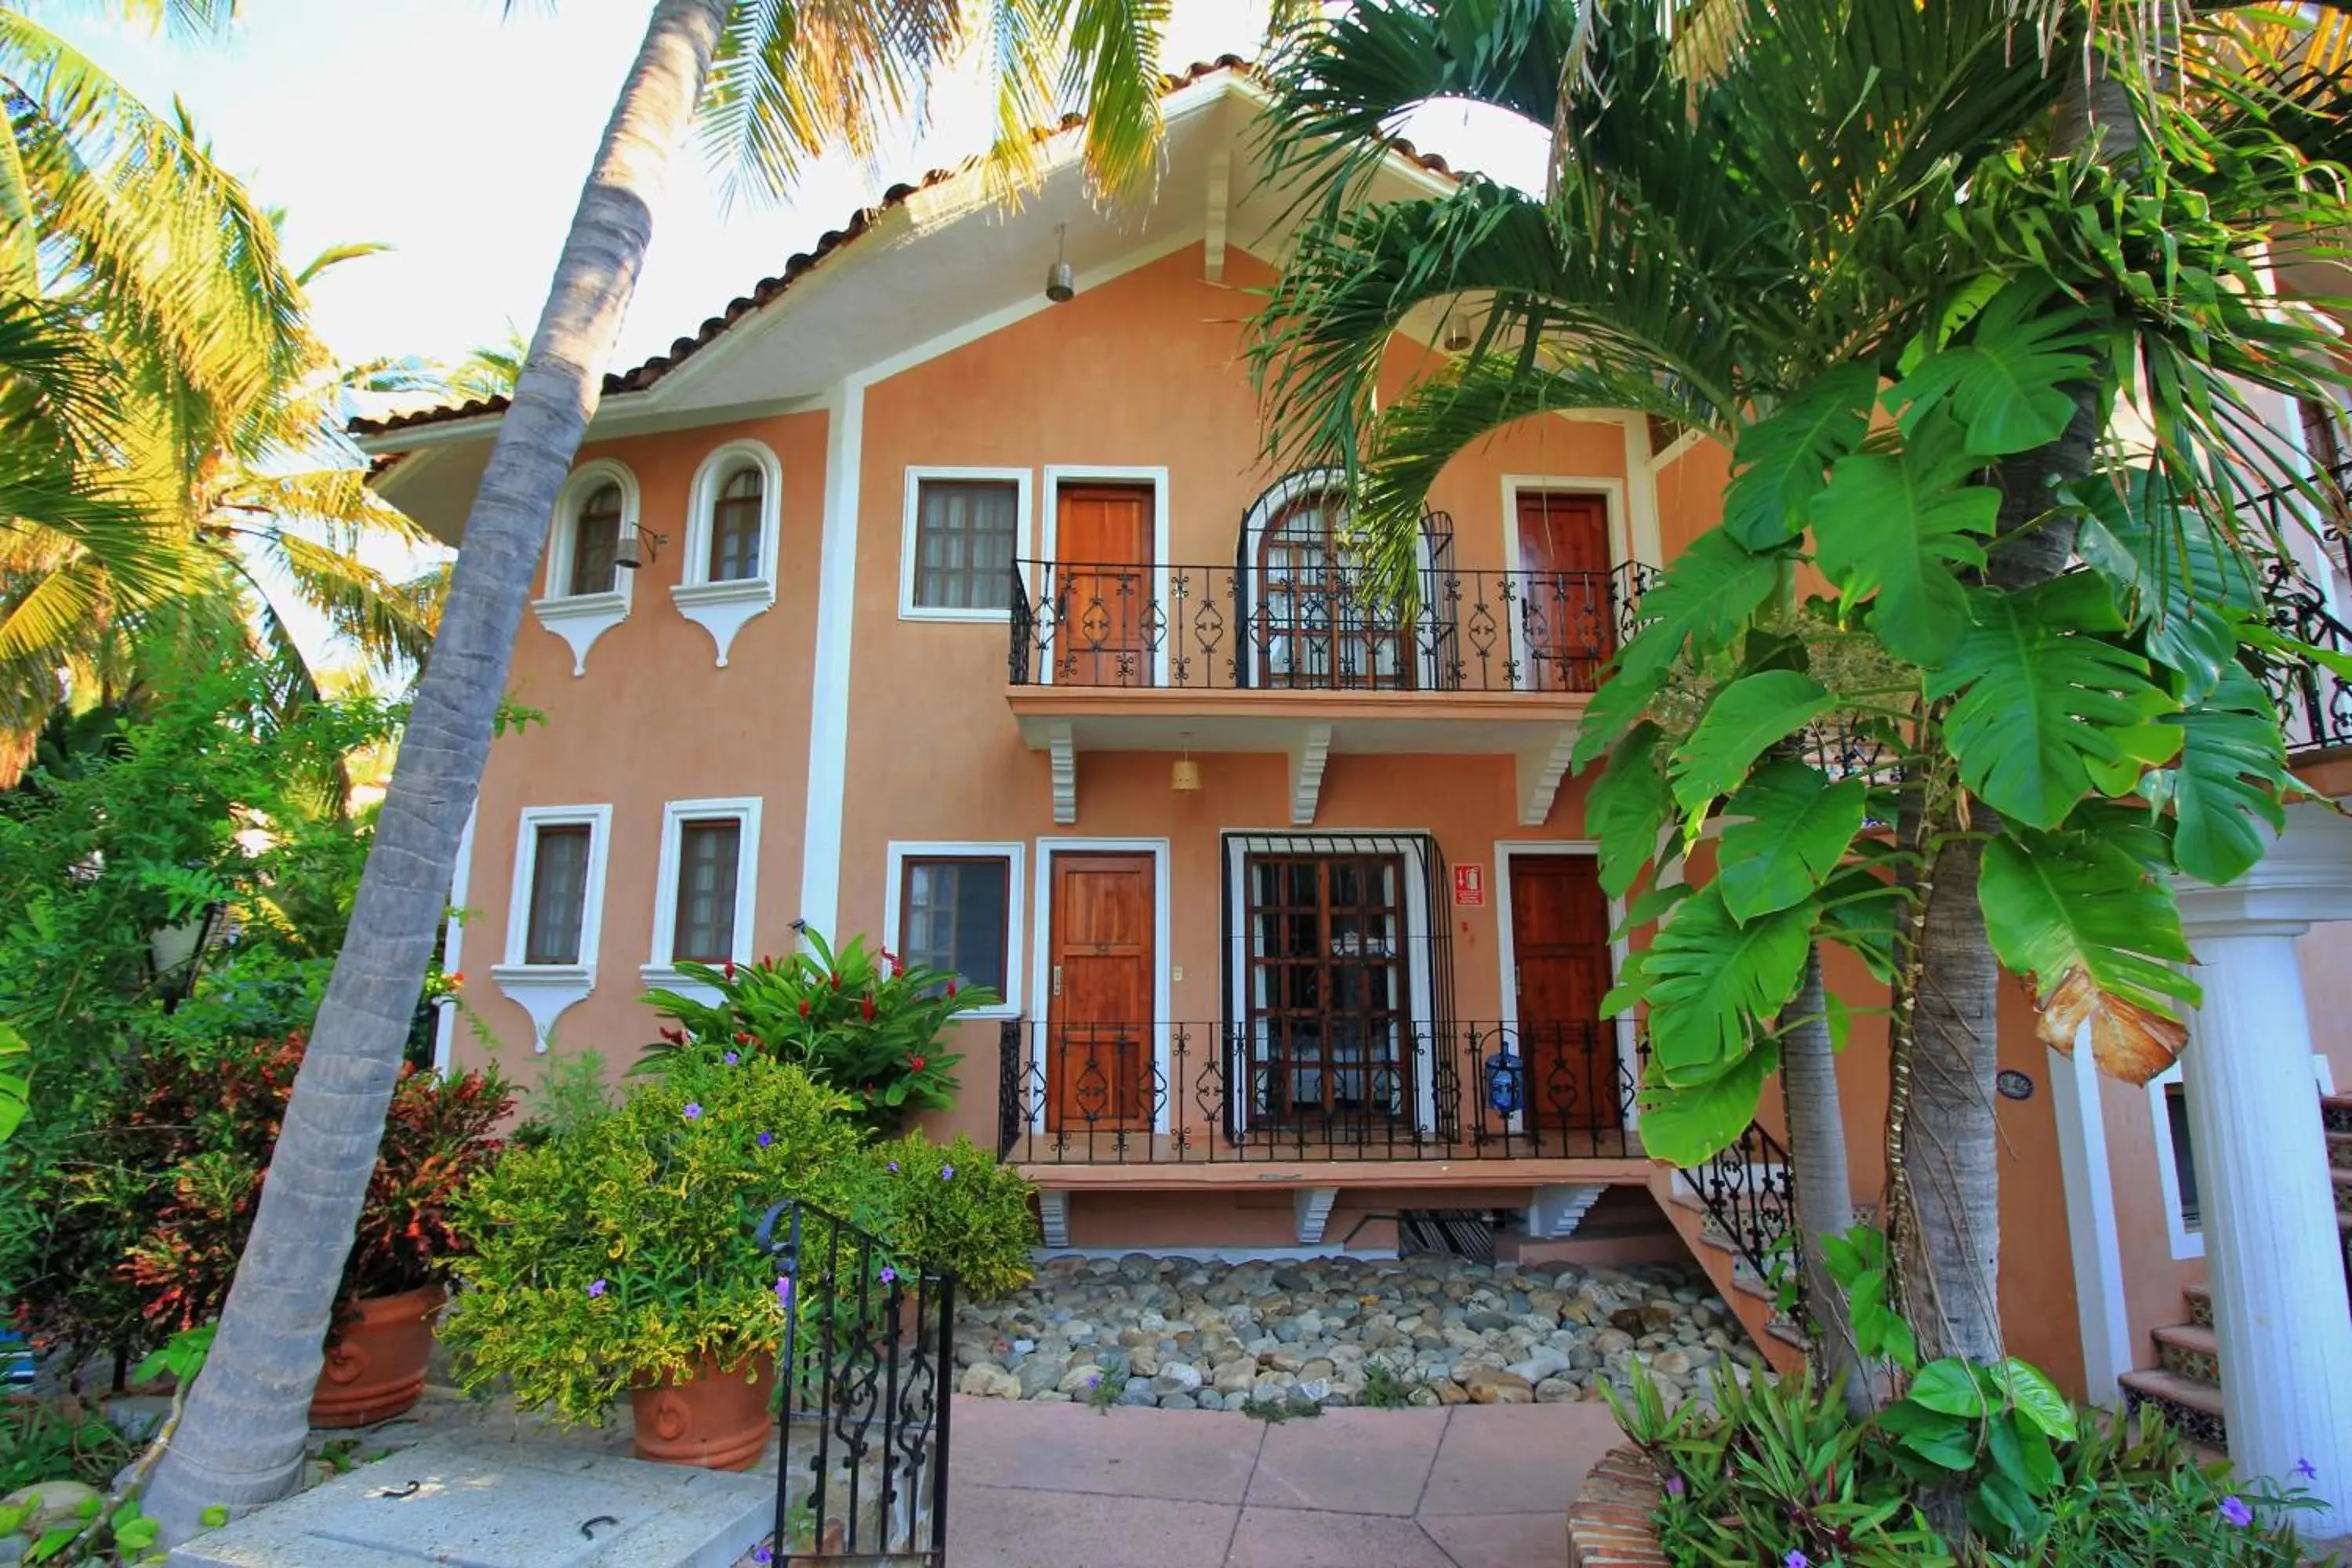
column 952, row 915
column 735, row 528
column 964, row 535
column 596, row 536
column 559, row 893
column 708, row 865
column 1327, row 982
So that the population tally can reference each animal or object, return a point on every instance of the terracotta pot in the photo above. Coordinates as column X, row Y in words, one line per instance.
column 718, row 1419
column 375, row 1364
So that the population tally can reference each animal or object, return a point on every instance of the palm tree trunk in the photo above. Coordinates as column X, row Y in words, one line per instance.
column 1825, row 1191
column 241, row 1441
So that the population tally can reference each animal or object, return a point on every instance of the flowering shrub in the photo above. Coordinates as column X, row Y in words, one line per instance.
column 856, row 1021
column 953, row 1205
column 621, row 1248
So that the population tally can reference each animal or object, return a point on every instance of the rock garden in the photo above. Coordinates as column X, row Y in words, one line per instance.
column 1425, row 1330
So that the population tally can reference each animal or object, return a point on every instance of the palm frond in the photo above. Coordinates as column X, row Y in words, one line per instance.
column 1111, row 68
column 389, row 622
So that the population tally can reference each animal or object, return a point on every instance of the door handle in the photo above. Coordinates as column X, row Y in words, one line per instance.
column 1057, row 980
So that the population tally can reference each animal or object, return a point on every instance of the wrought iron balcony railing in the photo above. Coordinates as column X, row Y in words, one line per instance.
column 1351, row 1089
column 1322, row 629
column 2315, row 702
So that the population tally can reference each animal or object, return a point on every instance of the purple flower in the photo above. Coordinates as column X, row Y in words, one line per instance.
column 893, row 1167
column 946, row 1172
column 784, row 1293
column 765, row 1554
column 2306, row 1469
column 766, row 1139
column 2237, row 1512
column 889, row 1275
column 733, row 1058
column 595, row 1289
column 1796, row 1559
column 693, row 1111
column 1673, row 1486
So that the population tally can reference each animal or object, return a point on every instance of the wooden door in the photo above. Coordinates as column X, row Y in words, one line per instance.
column 1560, row 948
column 1102, row 600
column 1099, row 1023
column 1567, row 625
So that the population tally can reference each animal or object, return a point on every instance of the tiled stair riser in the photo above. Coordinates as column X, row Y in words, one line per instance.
column 2203, row 1366
column 2201, row 1309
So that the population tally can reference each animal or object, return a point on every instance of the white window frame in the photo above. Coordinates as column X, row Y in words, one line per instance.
column 1613, row 494
column 1413, row 913
column 1014, row 851
column 580, row 618
column 722, row 608
column 659, row 968
column 1023, row 483
column 1506, row 955
column 1162, row 937
column 546, row 990
column 1049, row 530
column 2187, row 1243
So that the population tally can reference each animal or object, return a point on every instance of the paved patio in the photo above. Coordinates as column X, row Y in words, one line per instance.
column 1065, row 1486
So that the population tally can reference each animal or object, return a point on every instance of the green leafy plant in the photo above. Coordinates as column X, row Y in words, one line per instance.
column 621, row 1250
column 856, row 1021
column 1107, row 1383
column 953, row 1205
column 1384, row 1388
column 48, row 1440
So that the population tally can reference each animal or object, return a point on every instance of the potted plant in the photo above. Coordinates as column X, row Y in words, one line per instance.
column 858, row 1021
column 437, row 1136
column 617, row 1256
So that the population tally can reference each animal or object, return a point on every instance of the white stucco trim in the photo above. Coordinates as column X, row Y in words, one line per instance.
column 453, row 943
column 580, row 618
column 2093, row 1236
column 1023, row 483
column 1049, row 531
column 2184, row 1242
column 1013, row 851
column 1644, row 540
column 1162, row 935
column 659, row 968
column 722, row 608
column 829, row 753
column 546, row 990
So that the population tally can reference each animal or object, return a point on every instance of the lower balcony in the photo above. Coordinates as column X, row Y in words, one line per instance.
column 1174, row 1103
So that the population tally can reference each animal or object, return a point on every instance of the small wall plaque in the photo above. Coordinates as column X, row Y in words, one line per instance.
column 2013, row 1084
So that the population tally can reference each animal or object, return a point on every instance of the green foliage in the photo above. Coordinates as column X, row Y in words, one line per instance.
column 1384, row 1388
column 43, row 1440
column 858, row 1022
column 1898, row 526
column 622, row 1248
column 2075, row 900
column 1747, row 717
column 1781, row 461
column 573, row 1091
column 1790, row 828
column 955, row 1207
column 1705, row 977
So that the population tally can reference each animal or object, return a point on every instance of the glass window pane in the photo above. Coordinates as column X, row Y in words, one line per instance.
column 953, row 915
column 559, row 894
column 735, row 528
column 707, row 868
column 595, row 535
column 964, row 536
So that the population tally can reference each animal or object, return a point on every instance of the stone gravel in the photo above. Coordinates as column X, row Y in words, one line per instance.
column 1182, row 1334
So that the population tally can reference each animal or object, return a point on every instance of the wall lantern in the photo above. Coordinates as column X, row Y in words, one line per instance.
column 1454, row 338
column 637, row 546
column 177, row 951
column 1061, row 281
column 1184, row 778
column 1505, row 1082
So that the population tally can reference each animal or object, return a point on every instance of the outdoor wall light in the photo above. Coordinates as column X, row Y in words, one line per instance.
column 1061, row 281
column 637, row 546
column 1457, row 337
column 1184, row 778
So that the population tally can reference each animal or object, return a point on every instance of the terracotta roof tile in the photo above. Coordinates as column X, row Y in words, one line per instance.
column 644, row 375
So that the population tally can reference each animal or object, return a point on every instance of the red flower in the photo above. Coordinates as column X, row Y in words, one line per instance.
column 914, row 1064
column 675, row 1037
column 743, row 1039
column 727, row 969
column 865, row 1009
column 456, row 977
column 803, row 1006
column 950, row 987
column 835, row 976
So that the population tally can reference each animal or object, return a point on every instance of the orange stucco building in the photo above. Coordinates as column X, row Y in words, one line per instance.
column 982, row 624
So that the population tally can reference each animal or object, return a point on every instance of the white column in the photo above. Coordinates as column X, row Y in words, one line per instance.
column 2271, row 1242
column 2091, row 1231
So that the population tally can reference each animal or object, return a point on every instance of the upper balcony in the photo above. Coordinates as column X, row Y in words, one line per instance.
column 1293, row 648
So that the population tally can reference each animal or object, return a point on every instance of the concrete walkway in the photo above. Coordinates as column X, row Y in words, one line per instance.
column 1065, row 1486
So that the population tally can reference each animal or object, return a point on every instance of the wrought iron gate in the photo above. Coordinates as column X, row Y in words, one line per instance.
column 862, row 1425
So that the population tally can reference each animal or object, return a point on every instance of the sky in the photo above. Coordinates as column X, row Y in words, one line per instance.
column 457, row 136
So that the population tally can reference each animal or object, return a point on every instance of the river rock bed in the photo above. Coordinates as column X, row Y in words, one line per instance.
column 1182, row 1334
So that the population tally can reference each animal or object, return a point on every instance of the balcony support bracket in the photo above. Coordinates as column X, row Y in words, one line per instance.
column 1314, row 1213
column 1309, row 755
column 1054, row 1215
column 1064, row 751
column 1559, row 1210
column 1542, row 766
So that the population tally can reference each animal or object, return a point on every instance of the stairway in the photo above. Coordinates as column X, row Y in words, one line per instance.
column 1744, row 1289
column 2185, row 1385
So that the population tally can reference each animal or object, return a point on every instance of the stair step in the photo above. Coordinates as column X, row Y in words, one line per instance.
column 2200, row 1305
column 2190, row 1350
column 2191, row 1408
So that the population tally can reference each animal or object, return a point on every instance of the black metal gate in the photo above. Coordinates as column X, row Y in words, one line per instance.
column 862, row 1424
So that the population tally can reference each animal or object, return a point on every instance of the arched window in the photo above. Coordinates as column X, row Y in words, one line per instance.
column 1315, row 621
column 736, row 524
column 596, row 536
